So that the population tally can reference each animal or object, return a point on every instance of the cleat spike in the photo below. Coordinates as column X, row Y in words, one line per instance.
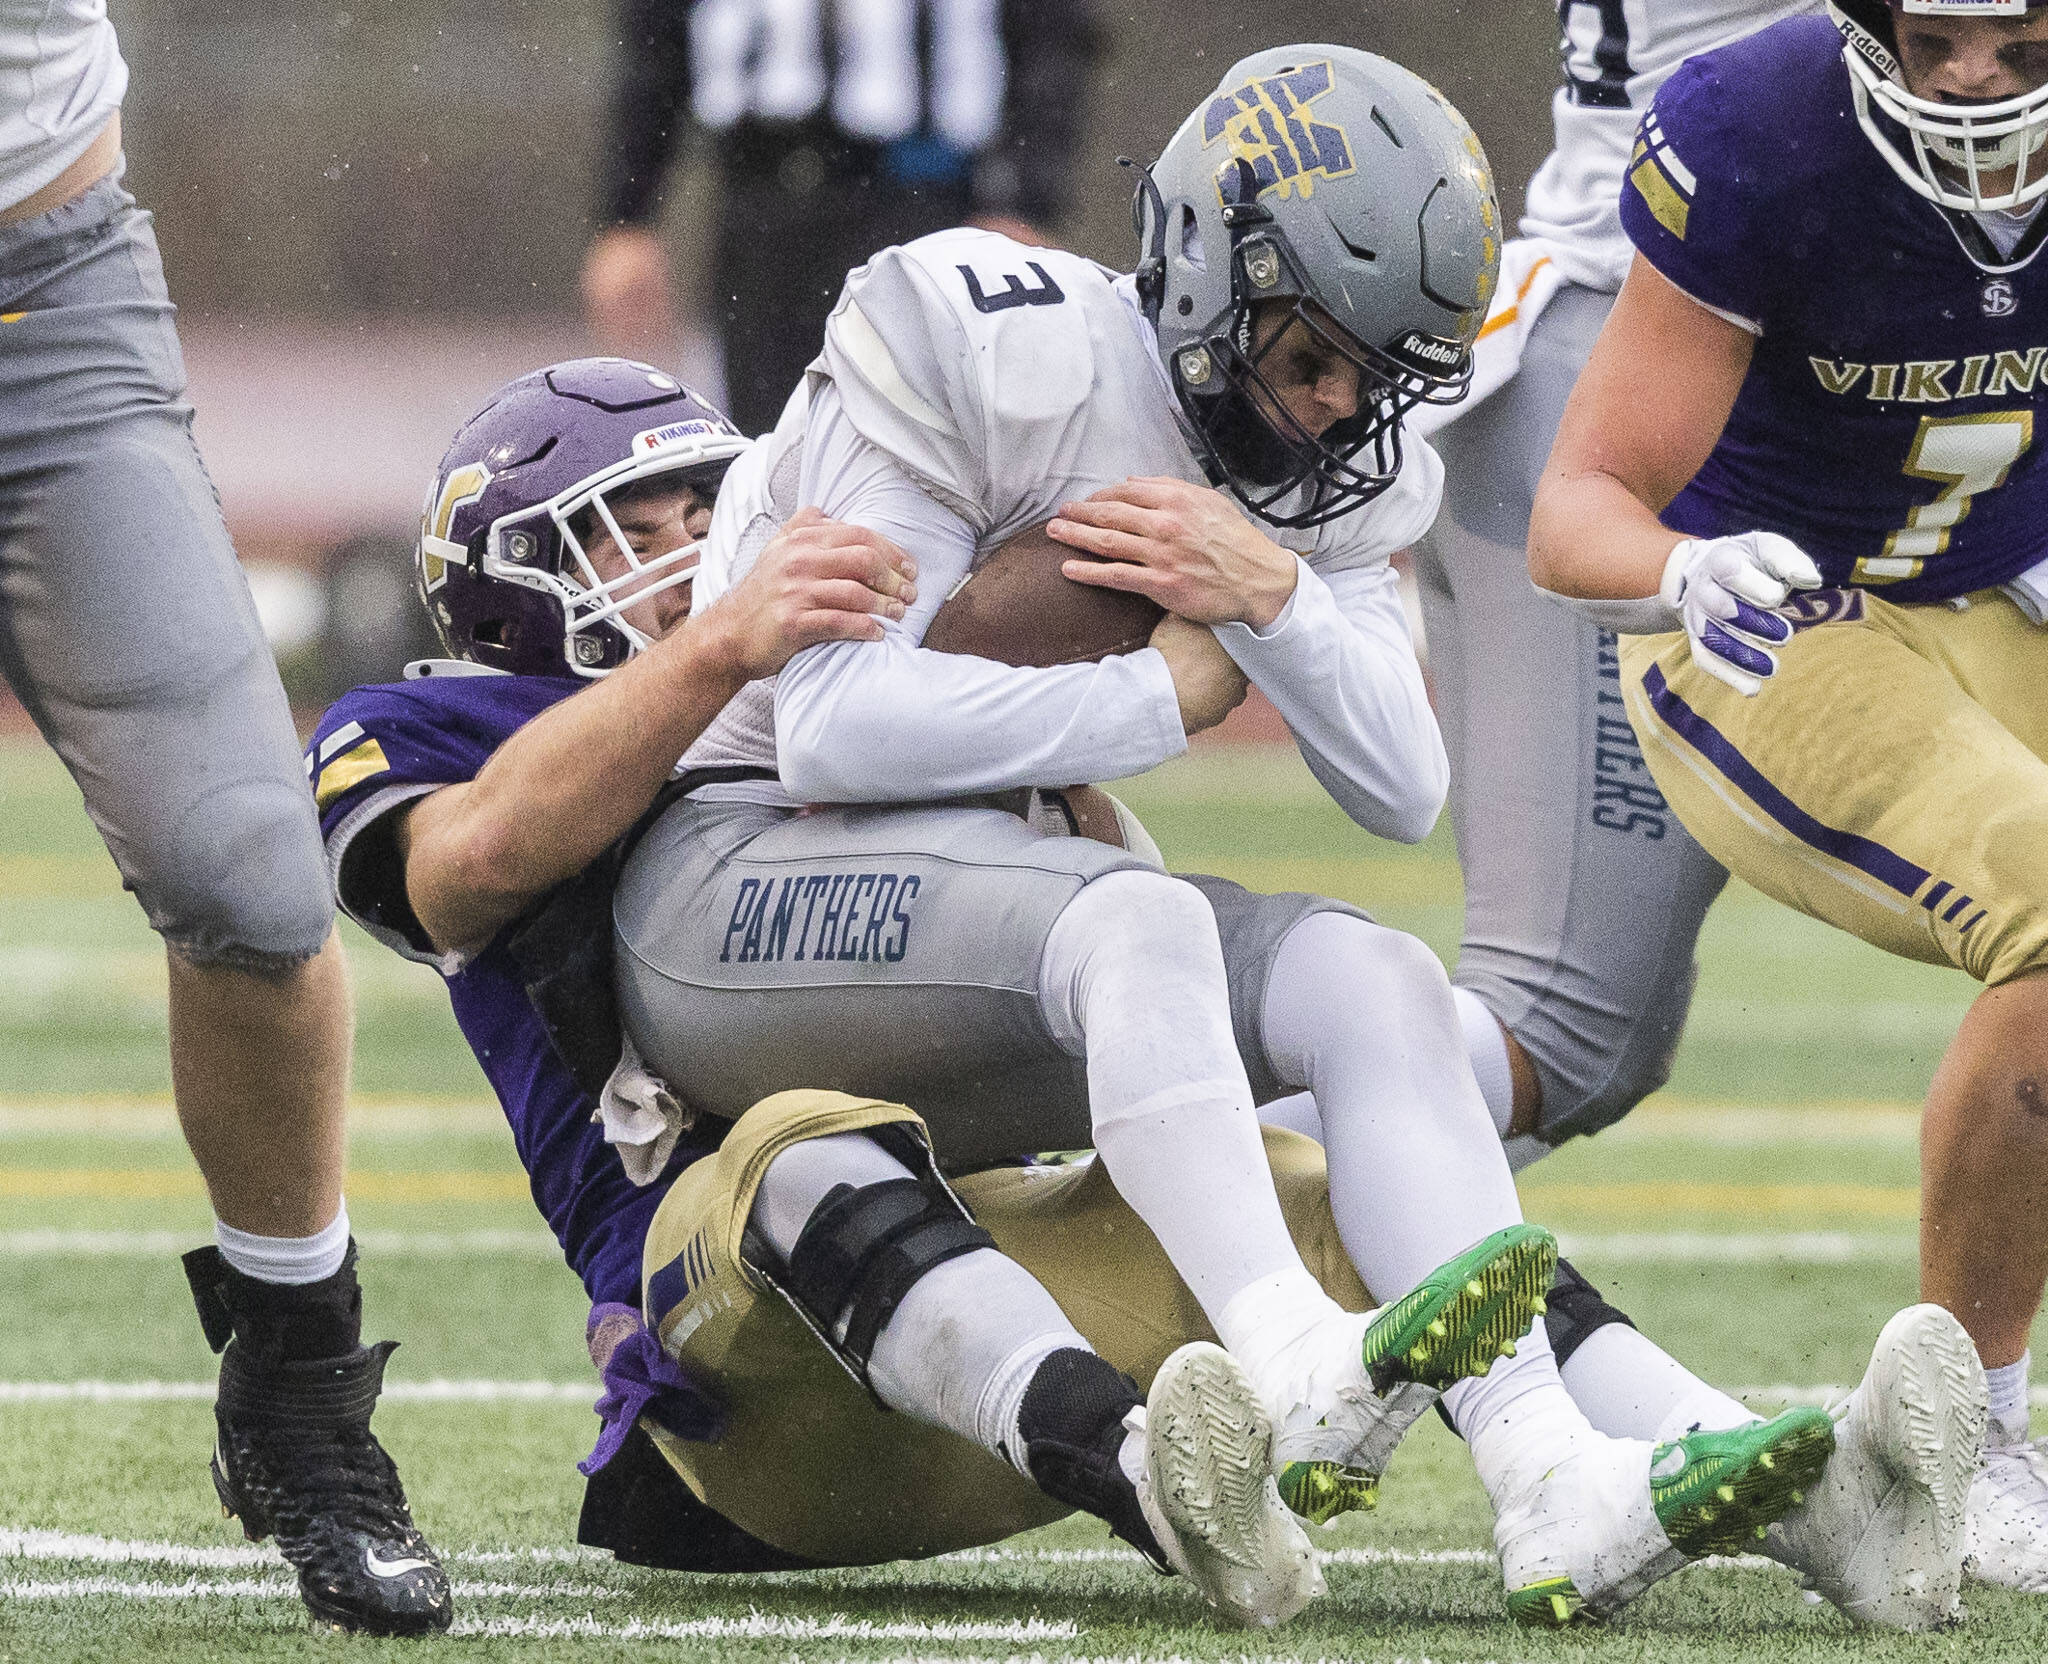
column 1797, row 1498
column 1481, row 1367
column 1761, row 1533
column 1725, row 1492
column 1476, row 1289
column 1540, row 1308
column 1439, row 1328
column 1560, row 1608
column 1767, row 1461
column 1508, row 1349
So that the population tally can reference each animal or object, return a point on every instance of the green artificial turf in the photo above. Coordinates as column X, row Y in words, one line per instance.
column 1758, row 1219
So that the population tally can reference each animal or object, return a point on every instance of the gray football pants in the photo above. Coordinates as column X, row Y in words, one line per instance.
column 891, row 953
column 1583, row 893
column 126, row 627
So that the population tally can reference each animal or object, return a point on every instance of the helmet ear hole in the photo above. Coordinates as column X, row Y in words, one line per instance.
column 500, row 633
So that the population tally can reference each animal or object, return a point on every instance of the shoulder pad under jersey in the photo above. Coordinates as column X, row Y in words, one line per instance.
column 964, row 345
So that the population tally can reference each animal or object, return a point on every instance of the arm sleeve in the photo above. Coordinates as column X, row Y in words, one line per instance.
column 1692, row 201
column 1052, row 48
column 869, row 722
column 649, row 104
column 1339, row 666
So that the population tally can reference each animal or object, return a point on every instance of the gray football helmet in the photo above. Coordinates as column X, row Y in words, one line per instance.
column 1341, row 186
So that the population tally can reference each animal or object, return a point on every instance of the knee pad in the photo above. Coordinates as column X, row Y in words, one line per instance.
column 241, row 881
column 866, row 1247
column 1576, row 1310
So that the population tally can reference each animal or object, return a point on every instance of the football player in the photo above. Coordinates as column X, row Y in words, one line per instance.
column 128, row 633
column 1801, row 468
column 1221, row 431
column 1584, row 894
column 819, row 1265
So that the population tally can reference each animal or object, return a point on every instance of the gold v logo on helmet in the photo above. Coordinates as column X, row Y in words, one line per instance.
column 1267, row 123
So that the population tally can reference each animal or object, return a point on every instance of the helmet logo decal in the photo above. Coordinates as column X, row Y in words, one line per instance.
column 1267, row 124
column 674, row 433
column 465, row 485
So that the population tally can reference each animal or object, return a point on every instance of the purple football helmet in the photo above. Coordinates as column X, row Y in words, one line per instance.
column 501, row 568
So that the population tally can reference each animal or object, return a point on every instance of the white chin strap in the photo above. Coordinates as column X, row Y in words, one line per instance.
column 1955, row 149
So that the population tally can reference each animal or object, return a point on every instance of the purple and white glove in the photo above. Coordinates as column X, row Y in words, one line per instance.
column 1728, row 592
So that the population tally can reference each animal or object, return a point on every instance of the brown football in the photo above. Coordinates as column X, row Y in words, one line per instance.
column 1019, row 608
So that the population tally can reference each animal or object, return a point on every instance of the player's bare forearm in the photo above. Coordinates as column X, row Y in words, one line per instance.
column 1644, row 416
column 1591, row 537
column 559, row 791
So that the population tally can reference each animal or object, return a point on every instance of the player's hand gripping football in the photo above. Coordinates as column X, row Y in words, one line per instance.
column 1729, row 592
column 1206, row 679
column 817, row 580
column 1186, row 546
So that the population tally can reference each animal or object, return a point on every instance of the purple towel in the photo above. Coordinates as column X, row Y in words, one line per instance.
column 641, row 1379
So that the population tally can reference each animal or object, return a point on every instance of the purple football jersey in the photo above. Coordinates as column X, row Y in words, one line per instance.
column 380, row 746
column 1887, row 424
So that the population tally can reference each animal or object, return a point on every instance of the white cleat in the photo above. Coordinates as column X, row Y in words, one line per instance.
column 1327, row 1411
column 1881, row 1534
column 1583, row 1537
column 1208, row 1491
column 2005, row 1536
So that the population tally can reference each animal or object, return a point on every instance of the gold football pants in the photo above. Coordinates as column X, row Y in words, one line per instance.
column 1891, row 778
column 809, row 1462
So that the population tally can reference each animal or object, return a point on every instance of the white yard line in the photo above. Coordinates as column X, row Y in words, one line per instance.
column 761, row 1626
column 395, row 1392
column 1742, row 1248
column 73, row 1547
column 54, row 1244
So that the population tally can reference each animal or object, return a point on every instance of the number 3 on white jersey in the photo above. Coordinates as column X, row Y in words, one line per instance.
column 1968, row 454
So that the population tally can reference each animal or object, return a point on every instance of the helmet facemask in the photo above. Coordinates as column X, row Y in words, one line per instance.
column 1944, row 151
column 540, row 548
column 1257, row 447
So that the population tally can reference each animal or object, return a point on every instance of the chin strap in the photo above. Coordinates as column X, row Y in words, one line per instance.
column 1151, row 272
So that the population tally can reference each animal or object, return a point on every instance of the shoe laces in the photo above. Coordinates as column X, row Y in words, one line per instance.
column 2019, row 1473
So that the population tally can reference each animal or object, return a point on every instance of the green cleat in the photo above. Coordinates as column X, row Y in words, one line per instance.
column 1463, row 1315
column 1715, row 1492
column 1452, row 1325
column 1710, row 1493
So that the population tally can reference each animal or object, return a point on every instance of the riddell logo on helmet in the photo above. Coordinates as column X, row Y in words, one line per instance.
column 1429, row 349
column 661, row 438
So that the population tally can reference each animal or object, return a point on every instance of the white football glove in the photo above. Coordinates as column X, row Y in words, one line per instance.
column 1729, row 593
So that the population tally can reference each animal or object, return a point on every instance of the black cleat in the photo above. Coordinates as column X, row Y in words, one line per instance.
column 294, row 1456
column 1072, row 1424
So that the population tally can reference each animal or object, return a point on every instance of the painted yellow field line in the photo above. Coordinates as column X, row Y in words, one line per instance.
column 1799, row 1201
column 129, row 1183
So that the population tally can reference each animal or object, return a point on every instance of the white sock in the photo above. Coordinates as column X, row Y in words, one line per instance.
column 1132, row 978
column 1279, row 1328
column 1518, row 1419
column 285, row 1259
column 1486, row 1046
column 1630, row 1388
column 2008, row 1384
column 1363, row 1017
column 961, row 1347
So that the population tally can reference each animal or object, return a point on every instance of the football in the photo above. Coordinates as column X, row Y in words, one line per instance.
column 1019, row 608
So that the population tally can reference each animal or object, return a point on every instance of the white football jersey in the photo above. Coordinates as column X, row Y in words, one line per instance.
column 61, row 79
column 1010, row 379
column 985, row 383
column 1615, row 55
